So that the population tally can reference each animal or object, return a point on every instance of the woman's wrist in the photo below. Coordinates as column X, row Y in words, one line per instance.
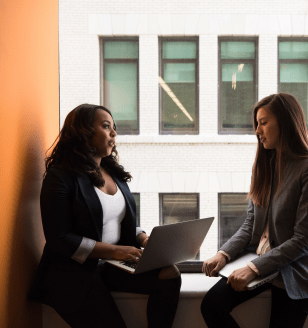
column 103, row 250
column 142, row 238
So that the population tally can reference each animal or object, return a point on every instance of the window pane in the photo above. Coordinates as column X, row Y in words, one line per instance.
column 179, row 73
column 179, row 50
column 237, row 50
column 137, row 200
column 237, row 72
column 121, row 94
column 293, row 50
column 237, row 95
column 294, row 80
column 179, row 101
column 232, row 213
column 293, row 73
column 178, row 208
column 120, row 49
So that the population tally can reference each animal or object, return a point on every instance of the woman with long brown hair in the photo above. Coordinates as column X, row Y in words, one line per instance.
column 88, row 214
column 276, row 226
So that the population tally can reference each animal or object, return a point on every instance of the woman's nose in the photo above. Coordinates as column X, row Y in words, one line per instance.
column 258, row 132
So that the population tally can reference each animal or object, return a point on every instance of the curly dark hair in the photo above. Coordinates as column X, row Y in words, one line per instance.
column 72, row 151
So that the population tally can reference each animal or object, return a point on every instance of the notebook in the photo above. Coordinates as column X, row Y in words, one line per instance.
column 241, row 261
column 169, row 244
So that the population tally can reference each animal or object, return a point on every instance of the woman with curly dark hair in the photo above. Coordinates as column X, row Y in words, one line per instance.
column 89, row 214
column 276, row 227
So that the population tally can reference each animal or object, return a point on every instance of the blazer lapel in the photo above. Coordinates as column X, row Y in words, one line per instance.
column 128, row 225
column 92, row 201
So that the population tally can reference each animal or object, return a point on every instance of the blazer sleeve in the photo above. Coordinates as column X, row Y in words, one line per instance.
column 243, row 236
column 57, row 196
column 297, row 246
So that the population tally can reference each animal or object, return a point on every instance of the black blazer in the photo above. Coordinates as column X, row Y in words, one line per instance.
column 71, row 210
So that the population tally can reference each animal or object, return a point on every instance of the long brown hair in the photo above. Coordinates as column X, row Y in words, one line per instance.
column 293, row 143
column 72, row 151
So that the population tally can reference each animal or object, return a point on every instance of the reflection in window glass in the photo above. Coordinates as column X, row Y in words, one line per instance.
column 232, row 213
column 120, row 71
column 179, row 207
column 237, row 86
column 137, row 200
column 293, row 70
column 178, row 87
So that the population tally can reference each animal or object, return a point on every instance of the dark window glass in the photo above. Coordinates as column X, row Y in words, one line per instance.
column 120, row 82
column 237, row 84
column 178, row 81
column 137, row 200
column 293, row 69
column 232, row 213
column 180, row 207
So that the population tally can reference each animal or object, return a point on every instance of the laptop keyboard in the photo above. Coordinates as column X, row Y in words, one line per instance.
column 130, row 264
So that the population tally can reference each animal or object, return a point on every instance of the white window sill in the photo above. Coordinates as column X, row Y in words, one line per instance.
column 194, row 285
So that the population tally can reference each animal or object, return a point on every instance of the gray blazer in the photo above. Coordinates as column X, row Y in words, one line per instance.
column 288, row 232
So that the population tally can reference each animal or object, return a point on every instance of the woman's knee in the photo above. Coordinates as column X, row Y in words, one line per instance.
column 169, row 272
column 211, row 305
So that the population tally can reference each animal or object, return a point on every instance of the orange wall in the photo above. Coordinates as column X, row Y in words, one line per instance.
column 29, row 123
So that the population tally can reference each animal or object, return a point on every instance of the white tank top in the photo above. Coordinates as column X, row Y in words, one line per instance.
column 114, row 209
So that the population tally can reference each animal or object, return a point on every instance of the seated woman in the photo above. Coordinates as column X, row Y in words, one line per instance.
column 276, row 225
column 89, row 213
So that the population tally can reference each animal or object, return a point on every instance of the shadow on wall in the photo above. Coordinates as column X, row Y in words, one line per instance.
column 27, row 235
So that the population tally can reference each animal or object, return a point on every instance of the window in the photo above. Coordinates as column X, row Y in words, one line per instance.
column 237, row 84
column 178, row 86
column 179, row 207
column 120, row 71
column 232, row 213
column 293, row 68
column 137, row 200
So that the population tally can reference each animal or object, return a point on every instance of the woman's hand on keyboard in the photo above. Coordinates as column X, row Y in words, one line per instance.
column 126, row 253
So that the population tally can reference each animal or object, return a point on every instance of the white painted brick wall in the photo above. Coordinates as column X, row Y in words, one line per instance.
column 215, row 164
column 148, row 84
column 208, row 208
column 149, row 211
column 208, row 83
column 268, row 65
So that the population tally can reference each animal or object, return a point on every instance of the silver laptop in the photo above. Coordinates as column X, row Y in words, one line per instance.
column 169, row 244
column 240, row 262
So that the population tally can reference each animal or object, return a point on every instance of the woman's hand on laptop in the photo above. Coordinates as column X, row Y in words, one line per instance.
column 126, row 253
column 142, row 239
column 214, row 264
column 239, row 278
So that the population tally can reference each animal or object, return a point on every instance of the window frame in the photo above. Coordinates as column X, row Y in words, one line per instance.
column 289, row 61
column 187, row 266
column 255, row 62
column 103, row 61
column 137, row 209
column 178, row 131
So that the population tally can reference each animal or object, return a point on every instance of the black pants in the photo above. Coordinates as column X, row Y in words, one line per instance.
column 100, row 309
column 222, row 299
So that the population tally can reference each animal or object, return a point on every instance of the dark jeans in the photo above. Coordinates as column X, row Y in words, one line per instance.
column 222, row 299
column 100, row 309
